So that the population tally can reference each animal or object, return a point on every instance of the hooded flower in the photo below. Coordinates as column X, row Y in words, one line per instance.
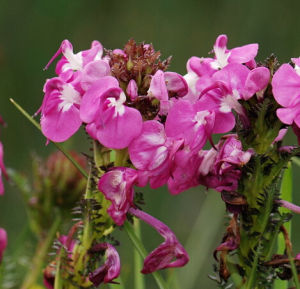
column 69, row 65
column 169, row 254
column 117, row 186
column 198, row 67
column 60, row 110
column 224, row 56
column 109, row 120
column 190, row 122
column 286, row 90
column 153, row 152
column 220, row 169
column 165, row 85
column 111, row 267
column 184, row 172
column 221, row 92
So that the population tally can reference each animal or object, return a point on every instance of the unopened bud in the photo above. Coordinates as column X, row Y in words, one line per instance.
column 132, row 90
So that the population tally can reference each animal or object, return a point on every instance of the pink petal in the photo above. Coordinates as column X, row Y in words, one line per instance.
column 158, row 88
column 224, row 122
column 257, row 80
column 118, row 132
column 111, row 268
column 234, row 75
column 280, row 135
column 58, row 126
column 186, row 122
column 221, row 41
column 243, row 54
column 200, row 66
column 286, row 115
column 92, row 72
column 147, row 152
column 90, row 102
column 92, row 54
column 286, row 85
column 296, row 61
column 176, row 83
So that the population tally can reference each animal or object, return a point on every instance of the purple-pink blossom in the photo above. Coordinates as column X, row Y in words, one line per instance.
column 153, row 152
column 223, row 56
column 110, row 270
column 69, row 65
column 220, row 169
column 117, row 186
column 191, row 122
column 169, row 254
column 286, row 90
column 108, row 118
column 60, row 117
column 198, row 67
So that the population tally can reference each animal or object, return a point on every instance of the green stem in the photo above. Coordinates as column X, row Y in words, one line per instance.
column 39, row 256
column 58, row 282
column 59, row 146
column 139, row 280
column 252, row 276
column 293, row 267
column 121, row 157
column 140, row 248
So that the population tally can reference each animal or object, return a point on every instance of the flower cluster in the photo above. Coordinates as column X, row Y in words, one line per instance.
column 125, row 99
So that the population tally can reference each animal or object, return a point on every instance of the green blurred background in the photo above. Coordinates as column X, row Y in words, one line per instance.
column 30, row 33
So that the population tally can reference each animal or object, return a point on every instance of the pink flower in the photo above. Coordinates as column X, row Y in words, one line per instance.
column 70, row 63
column 185, row 171
column 220, row 169
column 231, row 154
column 3, row 242
column 109, row 120
column 224, row 56
column 111, row 267
column 117, row 186
column 198, row 67
column 225, row 88
column 191, row 122
column 2, row 169
column 164, row 85
column 92, row 72
column 153, row 152
column 163, row 256
column 286, row 90
column 60, row 110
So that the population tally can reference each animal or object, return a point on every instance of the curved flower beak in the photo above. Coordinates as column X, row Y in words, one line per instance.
column 169, row 254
